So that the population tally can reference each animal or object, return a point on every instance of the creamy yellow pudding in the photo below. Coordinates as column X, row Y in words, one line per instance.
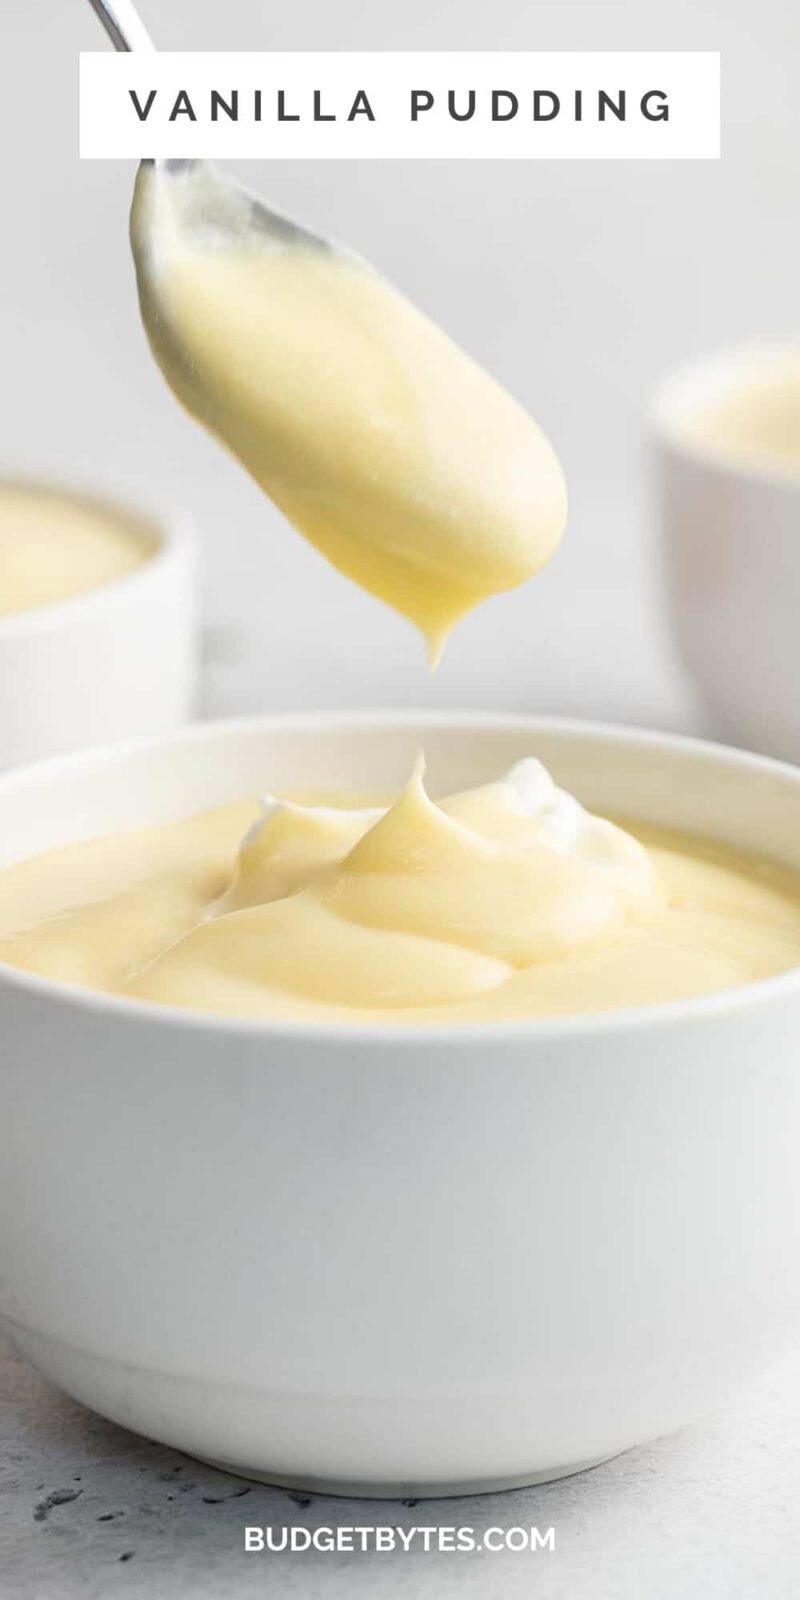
column 757, row 420
column 55, row 546
column 406, row 465
column 509, row 900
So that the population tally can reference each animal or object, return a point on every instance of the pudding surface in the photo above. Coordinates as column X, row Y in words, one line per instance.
column 753, row 421
column 55, row 546
column 505, row 901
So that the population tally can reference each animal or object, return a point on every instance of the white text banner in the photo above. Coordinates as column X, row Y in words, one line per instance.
column 488, row 105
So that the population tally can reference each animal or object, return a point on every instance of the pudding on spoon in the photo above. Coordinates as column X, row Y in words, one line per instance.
column 414, row 472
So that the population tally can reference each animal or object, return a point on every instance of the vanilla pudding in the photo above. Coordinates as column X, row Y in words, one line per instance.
column 753, row 419
column 405, row 463
column 506, row 900
column 54, row 546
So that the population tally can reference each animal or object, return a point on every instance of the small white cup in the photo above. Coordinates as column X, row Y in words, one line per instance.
column 115, row 662
column 730, row 526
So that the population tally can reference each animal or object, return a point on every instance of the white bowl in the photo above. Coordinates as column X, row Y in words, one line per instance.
column 115, row 662
column 398, row 1259
column 731, row 544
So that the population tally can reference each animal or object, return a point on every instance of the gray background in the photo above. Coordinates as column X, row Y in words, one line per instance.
column 578, row 285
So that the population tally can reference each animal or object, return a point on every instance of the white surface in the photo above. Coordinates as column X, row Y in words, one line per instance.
column 352, row 1194
column 709, row 1514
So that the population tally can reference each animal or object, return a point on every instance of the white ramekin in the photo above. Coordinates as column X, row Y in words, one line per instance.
column 399, row 1259
column 731, row 544
column 113, row 663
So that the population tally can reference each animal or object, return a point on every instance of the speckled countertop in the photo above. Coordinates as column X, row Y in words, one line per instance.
column 87, row 1510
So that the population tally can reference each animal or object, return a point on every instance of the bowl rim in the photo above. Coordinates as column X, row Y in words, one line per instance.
column 170, row 529
column 716, row 1005
column 681, row 394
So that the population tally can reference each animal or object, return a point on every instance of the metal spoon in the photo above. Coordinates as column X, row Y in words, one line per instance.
column 202, row 200
column 414, row 473
column 123, row 24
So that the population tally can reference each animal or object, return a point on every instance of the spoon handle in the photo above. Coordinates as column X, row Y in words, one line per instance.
column 123, row 24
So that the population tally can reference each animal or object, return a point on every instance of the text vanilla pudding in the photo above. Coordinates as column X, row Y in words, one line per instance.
column 54, row 546
column 509, row 900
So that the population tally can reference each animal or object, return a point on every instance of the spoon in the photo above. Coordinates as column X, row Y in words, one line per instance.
column 123, row 24
column 404, row 463
column 203, row 198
